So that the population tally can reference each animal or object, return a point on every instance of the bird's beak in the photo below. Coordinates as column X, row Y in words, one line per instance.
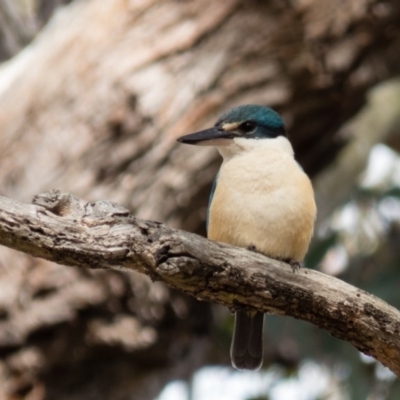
column 208, row 137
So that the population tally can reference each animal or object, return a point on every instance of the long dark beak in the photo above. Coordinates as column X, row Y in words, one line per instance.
column 208, row 134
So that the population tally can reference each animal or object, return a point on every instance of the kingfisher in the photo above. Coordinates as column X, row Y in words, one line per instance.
column 261, row 200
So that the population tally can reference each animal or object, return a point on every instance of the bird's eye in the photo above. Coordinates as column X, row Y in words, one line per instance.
column 248, row 126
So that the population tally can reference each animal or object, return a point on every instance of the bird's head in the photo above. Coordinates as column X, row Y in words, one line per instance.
column 243, row 122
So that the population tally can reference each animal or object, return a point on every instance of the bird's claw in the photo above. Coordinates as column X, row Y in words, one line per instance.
column 294, row 264
column 252, row 248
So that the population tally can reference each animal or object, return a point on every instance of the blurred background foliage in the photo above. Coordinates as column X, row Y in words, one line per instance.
column 357, row 239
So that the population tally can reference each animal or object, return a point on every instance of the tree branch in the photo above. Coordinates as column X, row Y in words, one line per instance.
column 70, row 231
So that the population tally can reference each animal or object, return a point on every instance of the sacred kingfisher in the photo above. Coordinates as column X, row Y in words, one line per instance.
column 261, row 200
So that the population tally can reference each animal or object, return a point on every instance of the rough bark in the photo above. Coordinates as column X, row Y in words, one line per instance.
column 70, row 231
column 93, row 106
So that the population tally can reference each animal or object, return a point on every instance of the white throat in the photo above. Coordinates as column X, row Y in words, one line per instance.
column 239, row 146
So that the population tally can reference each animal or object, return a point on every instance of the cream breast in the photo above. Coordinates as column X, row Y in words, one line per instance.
column 263, row 199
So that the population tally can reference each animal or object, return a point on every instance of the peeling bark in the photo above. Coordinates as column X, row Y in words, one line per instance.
column 62, row 228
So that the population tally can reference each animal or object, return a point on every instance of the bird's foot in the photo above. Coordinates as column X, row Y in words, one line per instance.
column 294, row 264
column 252, row 248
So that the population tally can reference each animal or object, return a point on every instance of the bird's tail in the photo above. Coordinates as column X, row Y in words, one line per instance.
column 247, row 341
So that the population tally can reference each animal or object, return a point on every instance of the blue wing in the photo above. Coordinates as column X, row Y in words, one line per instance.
column 213, row 187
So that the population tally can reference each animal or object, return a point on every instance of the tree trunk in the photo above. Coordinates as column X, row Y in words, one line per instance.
column 93, row 107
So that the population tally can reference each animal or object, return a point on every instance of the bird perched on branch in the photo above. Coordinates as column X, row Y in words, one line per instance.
column 261, row 200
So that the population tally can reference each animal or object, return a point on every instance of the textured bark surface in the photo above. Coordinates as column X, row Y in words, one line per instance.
column 93, row 107
column 70, row 231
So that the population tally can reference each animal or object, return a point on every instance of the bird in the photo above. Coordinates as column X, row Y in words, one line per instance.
column 261, row 200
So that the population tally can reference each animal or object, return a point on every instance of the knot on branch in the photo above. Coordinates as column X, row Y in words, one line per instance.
column 66, row 204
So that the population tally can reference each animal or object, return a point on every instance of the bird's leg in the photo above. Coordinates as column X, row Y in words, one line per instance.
column 294, row 264
column 252, row 248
